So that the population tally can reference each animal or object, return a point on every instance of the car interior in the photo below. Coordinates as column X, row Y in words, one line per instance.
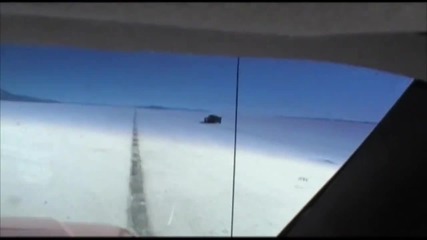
column 381, row 189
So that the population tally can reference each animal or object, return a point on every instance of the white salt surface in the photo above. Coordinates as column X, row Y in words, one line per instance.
column 192, row 184
column 66, row 172
column 188, row 171
column 72, row 163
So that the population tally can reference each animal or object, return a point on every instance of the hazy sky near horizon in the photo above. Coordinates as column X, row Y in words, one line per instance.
column 267, row 86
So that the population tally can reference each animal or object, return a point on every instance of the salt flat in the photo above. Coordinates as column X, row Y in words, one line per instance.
column 57, row 169
column 188, row 170
column 72, row 163
column 189, row 189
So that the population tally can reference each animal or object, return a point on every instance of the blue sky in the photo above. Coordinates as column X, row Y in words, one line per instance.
column 267, row 86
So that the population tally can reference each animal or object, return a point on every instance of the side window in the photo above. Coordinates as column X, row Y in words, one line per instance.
column 298, row 122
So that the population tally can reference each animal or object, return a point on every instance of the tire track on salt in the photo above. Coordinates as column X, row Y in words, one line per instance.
column 137, row 209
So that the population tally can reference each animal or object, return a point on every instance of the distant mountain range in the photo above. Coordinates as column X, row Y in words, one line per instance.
column 7, row 96
column 172, row 108
column 328, row 119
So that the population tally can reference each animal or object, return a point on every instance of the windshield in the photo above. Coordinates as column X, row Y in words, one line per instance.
column 178, row 145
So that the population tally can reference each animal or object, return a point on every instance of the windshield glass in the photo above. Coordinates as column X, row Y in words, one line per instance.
column 148, row 141
column 298, row 123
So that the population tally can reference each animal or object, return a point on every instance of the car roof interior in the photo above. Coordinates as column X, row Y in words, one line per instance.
column 380, row 190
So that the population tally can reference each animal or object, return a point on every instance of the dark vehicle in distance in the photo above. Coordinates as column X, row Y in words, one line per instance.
column 211, row 119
